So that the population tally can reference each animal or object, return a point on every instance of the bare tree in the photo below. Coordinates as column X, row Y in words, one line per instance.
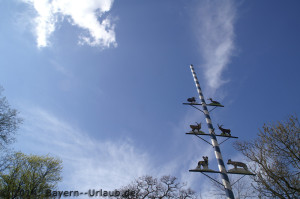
column 147, row 187
column 275, row 159
column 9, row 121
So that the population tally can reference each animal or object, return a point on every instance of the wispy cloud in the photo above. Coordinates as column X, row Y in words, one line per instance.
column 88, row 163
column 88, row 15
column 95, row 163
column 215, row 34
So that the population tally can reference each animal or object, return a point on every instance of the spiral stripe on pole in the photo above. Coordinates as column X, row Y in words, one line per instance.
column 214, row 141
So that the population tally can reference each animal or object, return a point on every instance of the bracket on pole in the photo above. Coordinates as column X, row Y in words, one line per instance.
column 202, row 139
column 212, row 171
column 223, row 141
column 193, row 105
column 212, row 178
column 238, row 180
column 210, row 135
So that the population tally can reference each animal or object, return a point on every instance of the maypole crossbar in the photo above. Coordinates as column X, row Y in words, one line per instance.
column 222, row 169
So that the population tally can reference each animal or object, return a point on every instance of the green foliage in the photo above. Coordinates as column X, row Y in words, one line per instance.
column 29, row 176
column 9, row 122
column 23, row 176
column 275, row 159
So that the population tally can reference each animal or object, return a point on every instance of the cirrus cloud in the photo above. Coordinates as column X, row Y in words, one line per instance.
column 88, row 162
column 215, row 34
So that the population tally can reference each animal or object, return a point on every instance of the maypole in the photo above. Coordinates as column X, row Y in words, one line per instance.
column 222, row 169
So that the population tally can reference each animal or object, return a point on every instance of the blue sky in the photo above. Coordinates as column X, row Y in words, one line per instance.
column 100, row 83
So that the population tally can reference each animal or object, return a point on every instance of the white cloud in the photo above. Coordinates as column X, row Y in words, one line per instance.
column 93, row 163
column 83, row 14
column 215, row 32
column 88, row 163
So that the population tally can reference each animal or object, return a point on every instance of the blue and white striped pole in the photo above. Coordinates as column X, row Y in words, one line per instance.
column 214, row 141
